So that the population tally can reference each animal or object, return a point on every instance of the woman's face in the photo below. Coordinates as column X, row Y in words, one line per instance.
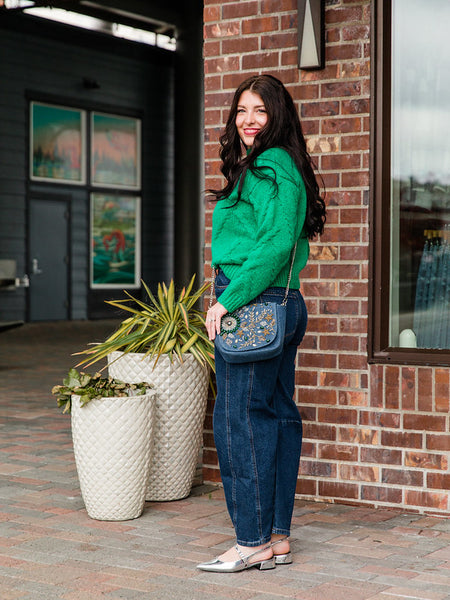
column 251, row 116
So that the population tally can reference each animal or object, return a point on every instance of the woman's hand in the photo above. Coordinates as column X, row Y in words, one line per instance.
column 213, row 316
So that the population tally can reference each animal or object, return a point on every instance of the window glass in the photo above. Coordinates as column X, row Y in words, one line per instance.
column 420, row 175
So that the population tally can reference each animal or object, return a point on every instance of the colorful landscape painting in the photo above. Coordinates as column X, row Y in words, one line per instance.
column 115, row 241
column 57, row 143
column 115, row 152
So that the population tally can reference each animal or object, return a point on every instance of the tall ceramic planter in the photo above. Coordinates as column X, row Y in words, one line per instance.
column 181, row 397
column 112, row 439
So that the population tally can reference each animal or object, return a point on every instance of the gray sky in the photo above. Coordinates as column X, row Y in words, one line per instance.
column 421, row 89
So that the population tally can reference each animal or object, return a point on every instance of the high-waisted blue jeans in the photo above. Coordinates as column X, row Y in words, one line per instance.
column 258, row 430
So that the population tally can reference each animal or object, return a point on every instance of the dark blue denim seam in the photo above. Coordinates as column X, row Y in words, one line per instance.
column 279, row 531
column 254, row 464
column 230, row 456
column 297, row 316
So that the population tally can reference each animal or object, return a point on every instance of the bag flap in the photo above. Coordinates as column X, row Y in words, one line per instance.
column 250, row 327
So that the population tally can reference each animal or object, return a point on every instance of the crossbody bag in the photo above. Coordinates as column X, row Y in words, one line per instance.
column 254, row 331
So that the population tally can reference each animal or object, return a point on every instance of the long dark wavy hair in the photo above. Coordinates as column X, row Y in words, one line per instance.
column 283, row 130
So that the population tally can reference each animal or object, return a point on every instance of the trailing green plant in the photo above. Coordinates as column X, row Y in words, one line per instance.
column 93, row 387
column 166, row 324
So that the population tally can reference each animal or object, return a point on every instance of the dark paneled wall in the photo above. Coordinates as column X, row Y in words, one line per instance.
column 47, row 62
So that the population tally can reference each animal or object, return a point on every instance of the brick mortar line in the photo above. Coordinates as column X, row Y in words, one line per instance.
column 338, row 477
column 319, row 99
column 376, row 504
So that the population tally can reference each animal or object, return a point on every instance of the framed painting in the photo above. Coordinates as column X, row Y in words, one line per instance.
column 57, row 143
column 115, row 241
column 115, row 151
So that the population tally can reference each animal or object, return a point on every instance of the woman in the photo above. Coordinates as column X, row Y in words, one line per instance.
column 269, row 204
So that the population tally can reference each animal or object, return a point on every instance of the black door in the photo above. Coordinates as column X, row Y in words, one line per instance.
column 48, row 259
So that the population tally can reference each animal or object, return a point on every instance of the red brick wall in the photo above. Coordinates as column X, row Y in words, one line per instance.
column 374, row 435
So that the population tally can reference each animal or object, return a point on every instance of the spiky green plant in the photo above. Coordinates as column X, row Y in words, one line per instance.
column 166, row 324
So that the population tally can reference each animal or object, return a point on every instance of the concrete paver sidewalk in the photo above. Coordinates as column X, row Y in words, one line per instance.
column 51, row 550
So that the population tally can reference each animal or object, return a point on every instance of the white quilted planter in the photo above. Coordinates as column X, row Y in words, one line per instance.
column 112, row 440
column 181, row 397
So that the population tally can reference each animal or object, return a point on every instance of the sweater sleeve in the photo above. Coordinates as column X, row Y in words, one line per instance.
column 279, row 204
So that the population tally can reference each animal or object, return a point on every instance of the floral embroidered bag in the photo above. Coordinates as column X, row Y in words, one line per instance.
column 255, row 331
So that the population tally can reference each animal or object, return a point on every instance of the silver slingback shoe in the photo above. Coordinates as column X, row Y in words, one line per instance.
column 282, row 559
column 218, row 566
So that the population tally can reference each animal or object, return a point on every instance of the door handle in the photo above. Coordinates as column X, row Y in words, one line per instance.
column 35, row 267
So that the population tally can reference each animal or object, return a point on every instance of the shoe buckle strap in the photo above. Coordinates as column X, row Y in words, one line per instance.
column 242, row 555
column 245, row 558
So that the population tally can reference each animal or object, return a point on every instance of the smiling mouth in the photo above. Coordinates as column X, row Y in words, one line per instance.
column 251, row 131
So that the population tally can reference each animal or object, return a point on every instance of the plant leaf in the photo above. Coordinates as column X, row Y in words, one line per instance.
column 162, row 300
column 170, row 298
column 169, row 346
column 189, row 343
column 189, row 287
column 184, row 313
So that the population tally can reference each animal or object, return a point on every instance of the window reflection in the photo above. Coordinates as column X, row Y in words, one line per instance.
column 420, row 175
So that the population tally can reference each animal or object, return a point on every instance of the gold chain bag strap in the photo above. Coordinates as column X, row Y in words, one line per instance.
column 254, row 331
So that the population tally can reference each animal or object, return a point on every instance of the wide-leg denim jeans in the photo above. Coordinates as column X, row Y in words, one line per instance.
column 258, row 430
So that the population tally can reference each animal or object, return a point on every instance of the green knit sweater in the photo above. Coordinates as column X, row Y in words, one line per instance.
column 252, row 239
